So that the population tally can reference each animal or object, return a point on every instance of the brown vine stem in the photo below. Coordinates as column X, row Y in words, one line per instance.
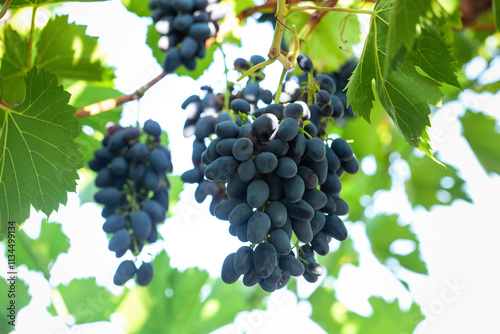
column 112, row 103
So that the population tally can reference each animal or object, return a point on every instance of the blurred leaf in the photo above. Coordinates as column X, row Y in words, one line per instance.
column 21, row 299
column 480, row 132
column 138, row 7
column 152, row 39
column 382, row 231
column 14, row 66
column 176, row 187
column 387, row 317
column 173, row 302
column 40, row 158
column 336, row 259
column 87, row 301
column 496, row 12
column 41, row 253
column 492, row 87
column 425, row 185
column 38, row 3
column 330, row 45
column 72, row 55
column 84, row 94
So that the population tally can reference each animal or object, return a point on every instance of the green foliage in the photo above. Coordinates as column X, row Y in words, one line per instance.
column 404, row 93
column 138, row 7
column 86, row 301
column 334, row 317
column 38, row 3
column 14, row 66
column 149, row 309
column 39, row 155
column 382, row 231
column 482, row 136
column 426, row 183
column 47, row 247
column 22, row 298
column 330, row 46
column 496, row 11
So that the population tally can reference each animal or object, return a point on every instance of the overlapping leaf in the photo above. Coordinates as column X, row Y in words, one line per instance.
column 39, row 157
column 14, row 66
column 22, row 298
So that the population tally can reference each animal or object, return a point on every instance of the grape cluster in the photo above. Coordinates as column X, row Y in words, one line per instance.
column 203, row 115
column 281, row 181
column 185, row 26
column 131, row 169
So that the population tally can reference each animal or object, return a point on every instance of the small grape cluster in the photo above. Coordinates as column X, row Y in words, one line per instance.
column 185, row 26
column 332, row 93
column 252, row 91
column 131, row 169
column 281, row 181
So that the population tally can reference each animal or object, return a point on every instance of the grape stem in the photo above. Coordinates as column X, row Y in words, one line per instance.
column 5, row 7
column 109, row 104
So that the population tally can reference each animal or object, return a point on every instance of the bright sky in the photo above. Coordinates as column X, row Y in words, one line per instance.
column 458, row 242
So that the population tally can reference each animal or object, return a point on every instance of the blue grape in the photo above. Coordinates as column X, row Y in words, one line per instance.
column 302, row 229
column 125, row 271
column 243, row 260
column 264, row 259
column 288, row 129
column 266, row 162
column 258, row 227
column 242, row 149
column 141, row 224
column 108, row 196
column 290, row 265
column 113, row 223
column 247, row 170
column 228, row 274
column 240, row 214
column 152, row 128
column 119, row 241
column 277, row 213
column 334, row 226
column 222, row 168
column 145, row 274
column 279, row 239
column 257, row 193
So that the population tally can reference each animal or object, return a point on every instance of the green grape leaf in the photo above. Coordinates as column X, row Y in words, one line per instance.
column 387, row 317
column 145, row 307
column 433, row 56
column 176, row 187
column 67, row 51
column 492, row 87
column 39, row 157
column 426, row 185
column 404, row 19
column 382, row 231
column 21, row 298
column 38, row 3
column 341, row 30
column 138, row 7
column 47, row 247
column 480, row 132
column 86, row 301
column 14, row 66
column 404, row 93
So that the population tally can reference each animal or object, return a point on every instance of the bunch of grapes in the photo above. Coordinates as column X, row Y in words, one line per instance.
column 132, row 167
column 205, row 113
column 283, row 186
column 185, row 26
